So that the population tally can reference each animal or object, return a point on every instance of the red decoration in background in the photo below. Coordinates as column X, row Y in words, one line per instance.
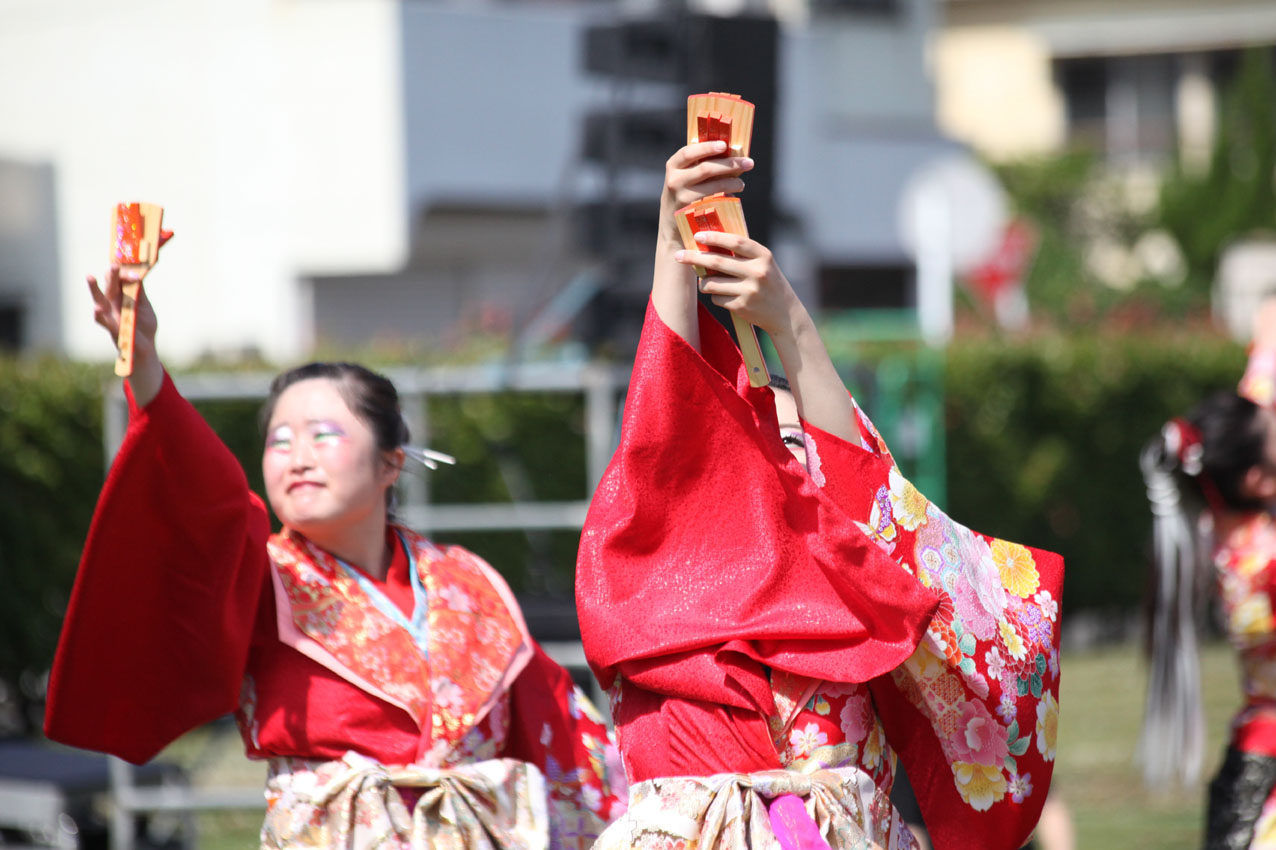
column 1006, row 266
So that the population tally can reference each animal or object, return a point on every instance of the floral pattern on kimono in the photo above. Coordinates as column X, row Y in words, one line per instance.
column 1244, row 560
column 830, row 725
column 842, row 808
column 960, row 680
column 1245, row 573
column 453, row 673
column 450, row 670
column 1245, row 578
column 986, row 676
column 355, row 802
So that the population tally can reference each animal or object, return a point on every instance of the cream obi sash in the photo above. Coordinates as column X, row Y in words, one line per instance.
column 355, row 803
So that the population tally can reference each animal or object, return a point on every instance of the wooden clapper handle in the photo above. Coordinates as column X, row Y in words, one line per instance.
column 136, row 237
column 720, row 116
column 723, row 214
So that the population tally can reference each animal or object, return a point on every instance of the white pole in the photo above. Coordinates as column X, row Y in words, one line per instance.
column 934, row 266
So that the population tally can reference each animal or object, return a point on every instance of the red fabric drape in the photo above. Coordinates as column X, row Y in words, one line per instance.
column 152, row 567
column 709, row 555
column 708, row 552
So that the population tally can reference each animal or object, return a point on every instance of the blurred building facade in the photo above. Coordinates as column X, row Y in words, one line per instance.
column 1136, row 79
column 368, row 170
column 270, row 131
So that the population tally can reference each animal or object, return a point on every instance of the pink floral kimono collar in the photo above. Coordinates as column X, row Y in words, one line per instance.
column 447, row 664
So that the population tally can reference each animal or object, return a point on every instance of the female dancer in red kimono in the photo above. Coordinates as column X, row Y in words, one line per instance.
column 776, row 627
column 1215, row 471
column 390, row 683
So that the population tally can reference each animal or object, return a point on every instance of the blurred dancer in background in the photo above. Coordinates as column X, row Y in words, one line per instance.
column 1211, row 479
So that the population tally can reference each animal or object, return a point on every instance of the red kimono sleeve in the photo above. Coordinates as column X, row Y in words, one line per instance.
column 156, row 636
column 973, row 712
column 555, row 727
column 709, row 555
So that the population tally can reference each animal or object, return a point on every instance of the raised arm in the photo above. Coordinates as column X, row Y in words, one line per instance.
column 694, row 172
column 148, row 372
column 751, row 285
column 157, row 632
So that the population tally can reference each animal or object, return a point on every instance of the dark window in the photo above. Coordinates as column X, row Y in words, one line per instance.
column 866, row 287
column 1084, row 83
column 1225, row 66
column 1122, row 105
column 875, row 7
column 11, row 316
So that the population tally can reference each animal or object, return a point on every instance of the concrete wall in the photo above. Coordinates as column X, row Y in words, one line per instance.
column 493, row 101
column 857, row 121
column 29, row 252
column 269, row 129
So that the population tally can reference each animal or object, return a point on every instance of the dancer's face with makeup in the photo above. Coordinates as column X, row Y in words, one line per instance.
column 790, row 425
column 321, row 464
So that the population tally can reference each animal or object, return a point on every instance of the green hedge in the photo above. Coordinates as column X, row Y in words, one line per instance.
column 1043, row 443
column 1043, row 438
column 50, row 474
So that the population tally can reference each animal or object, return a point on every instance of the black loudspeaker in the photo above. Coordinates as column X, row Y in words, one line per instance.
column 738, row 55
column 682, row 54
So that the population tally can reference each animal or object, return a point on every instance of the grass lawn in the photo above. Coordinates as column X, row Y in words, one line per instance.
column 1101, row 709
column 229, row 831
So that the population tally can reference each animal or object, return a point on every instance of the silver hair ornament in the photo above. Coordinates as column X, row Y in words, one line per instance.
column 427, row 457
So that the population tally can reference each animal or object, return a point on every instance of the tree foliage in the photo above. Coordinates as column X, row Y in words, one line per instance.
column 1044, row 438
column 50, row 474
column 1236, row 194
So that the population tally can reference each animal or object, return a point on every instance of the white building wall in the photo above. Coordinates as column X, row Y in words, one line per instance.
column 270, row 130
column 29, row 252
column 297, row 139
column 856, row 121
column 496, row 97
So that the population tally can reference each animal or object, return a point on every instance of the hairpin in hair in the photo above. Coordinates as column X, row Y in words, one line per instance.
column 1183, row 439
column 427, row 457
